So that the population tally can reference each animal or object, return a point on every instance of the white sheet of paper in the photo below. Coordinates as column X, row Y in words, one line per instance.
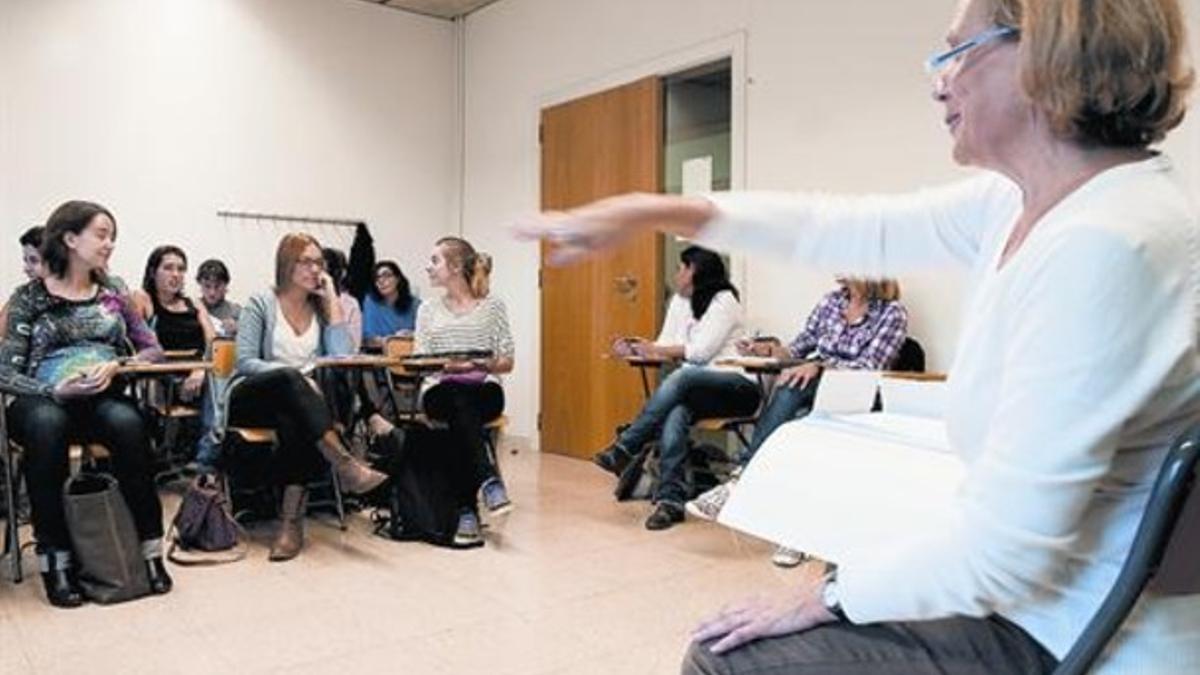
column 846, row 391
column 698, row 175
column 818, row 485
column 913, row 397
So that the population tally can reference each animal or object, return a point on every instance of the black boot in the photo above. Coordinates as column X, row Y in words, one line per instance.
column 613, row 459
column 665, row 515
column 58, row 579
column 160, row 581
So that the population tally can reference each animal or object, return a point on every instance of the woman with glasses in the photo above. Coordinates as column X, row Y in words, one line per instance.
column 390, row 307
column 1079, row 361
column 280, row 334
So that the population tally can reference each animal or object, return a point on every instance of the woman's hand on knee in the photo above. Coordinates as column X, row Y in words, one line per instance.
column 794, row 611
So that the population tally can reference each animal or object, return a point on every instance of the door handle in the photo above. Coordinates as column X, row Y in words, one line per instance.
column 625, row 284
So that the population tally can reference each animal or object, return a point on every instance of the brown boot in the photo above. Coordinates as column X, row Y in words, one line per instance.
column 290, row 538
column 355, row 476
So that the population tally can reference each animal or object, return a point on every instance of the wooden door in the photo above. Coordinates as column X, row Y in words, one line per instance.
column 601, row 145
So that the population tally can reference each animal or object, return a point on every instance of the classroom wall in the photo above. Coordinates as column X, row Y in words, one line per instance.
column 834, row 97
column 168, row 110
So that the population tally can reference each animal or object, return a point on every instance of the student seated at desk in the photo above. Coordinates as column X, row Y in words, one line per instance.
column 467, row 394
column 66, row 333
column 280, row 333
column 31, row 264
column 859, row 326
column 182, row 326
column 390, row 307
column 213, row 277
column 336, row 268
column 703, row 324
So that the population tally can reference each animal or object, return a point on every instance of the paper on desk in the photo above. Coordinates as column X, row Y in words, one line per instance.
column 821, row 486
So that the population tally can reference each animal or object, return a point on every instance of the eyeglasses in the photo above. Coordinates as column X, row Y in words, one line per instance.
column 385, row 274
column 938, row 62
column 316, row 263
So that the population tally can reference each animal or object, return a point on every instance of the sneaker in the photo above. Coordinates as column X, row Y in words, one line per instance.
column 708, row 505
column 786, row 557
column 495, row 497
column 665, row 515
column 613, row 459
column 468, row 532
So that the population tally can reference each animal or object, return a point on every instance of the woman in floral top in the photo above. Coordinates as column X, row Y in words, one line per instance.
column 66, row 333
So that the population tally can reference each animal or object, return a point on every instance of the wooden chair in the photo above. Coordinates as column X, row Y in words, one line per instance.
column 404, row 387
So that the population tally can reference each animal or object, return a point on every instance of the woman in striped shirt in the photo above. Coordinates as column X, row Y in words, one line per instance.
column 467, row 394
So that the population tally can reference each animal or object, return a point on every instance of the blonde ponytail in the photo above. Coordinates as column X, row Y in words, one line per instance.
column 481, row 273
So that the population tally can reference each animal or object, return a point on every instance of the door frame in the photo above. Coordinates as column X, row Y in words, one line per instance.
column 730, row 46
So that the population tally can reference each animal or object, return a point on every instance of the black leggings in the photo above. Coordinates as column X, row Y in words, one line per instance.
column 46, row 429
column 465, row 408
column 284, row 400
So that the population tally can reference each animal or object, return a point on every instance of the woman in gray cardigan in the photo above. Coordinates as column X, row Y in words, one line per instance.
column 279, row 334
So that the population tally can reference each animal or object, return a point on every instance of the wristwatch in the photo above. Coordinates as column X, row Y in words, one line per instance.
column 830, row 597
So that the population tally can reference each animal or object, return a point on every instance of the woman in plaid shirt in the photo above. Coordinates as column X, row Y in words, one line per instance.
column 861, row 325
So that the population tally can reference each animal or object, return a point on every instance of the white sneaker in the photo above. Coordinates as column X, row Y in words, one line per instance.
column 786, row 557
column 708, row 505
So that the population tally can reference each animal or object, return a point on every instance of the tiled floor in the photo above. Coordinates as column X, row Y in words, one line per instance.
column 571, row 583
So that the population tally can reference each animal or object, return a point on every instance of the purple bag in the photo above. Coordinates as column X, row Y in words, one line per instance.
column 203, row 524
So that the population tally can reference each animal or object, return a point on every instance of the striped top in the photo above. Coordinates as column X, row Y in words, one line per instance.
column 484, row 328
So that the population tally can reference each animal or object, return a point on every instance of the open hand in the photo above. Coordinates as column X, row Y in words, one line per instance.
column 606, row 223
column 793, row 611
column 799, row 376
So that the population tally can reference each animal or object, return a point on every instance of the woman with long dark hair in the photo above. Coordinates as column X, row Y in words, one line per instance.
column 389, row 307
column 180, row 325
column 703, row 325
column 66, row 333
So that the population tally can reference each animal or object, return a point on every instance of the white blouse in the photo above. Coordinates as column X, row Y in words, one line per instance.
column 1077, row 367
column 710, row 338
column 291, row 349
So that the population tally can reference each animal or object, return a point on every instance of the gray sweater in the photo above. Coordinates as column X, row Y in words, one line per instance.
column 256, row 333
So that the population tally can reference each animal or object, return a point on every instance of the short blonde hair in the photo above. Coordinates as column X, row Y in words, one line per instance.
column 887, row 290
column 1104, row 72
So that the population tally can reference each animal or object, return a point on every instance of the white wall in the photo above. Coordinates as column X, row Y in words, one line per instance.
column 836, row 99
column 168, row 110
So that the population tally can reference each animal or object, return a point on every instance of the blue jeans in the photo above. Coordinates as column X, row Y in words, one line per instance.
column 786, row 404
column 686, row 395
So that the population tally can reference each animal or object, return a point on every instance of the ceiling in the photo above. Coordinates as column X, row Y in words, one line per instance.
column 443, row 9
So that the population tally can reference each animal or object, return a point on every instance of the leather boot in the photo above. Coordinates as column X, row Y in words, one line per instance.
column 355, row 476
column 58, row 579
column 160, row 580
column 290, row 538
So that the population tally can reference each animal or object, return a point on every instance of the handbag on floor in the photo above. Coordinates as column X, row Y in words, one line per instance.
column 203, row 531
column 108, row 554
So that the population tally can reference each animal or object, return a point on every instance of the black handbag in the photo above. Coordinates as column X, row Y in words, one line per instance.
column 107, row 551
column 427, row 468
